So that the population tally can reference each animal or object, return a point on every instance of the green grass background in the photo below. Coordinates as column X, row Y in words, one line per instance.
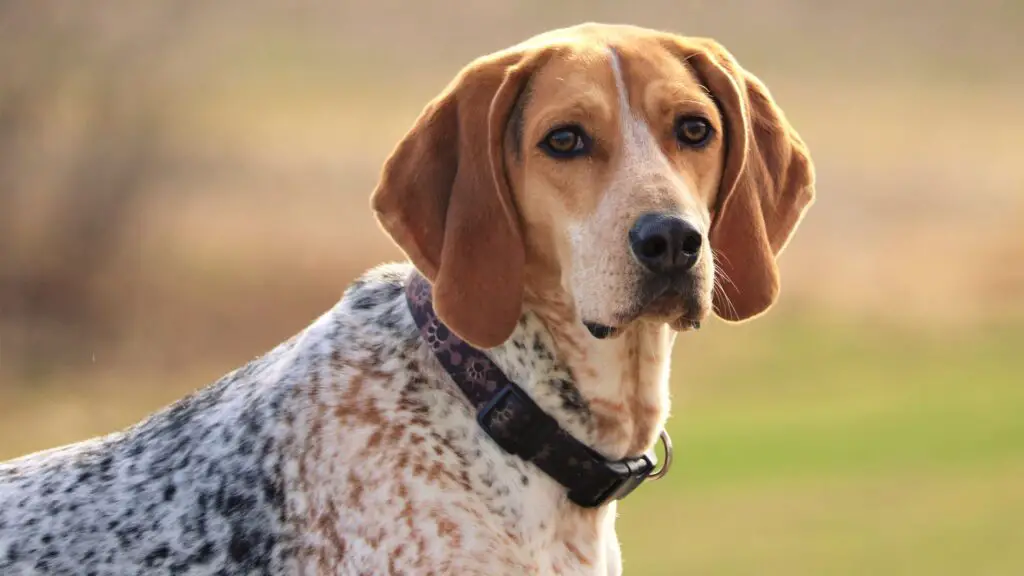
column 820, row 450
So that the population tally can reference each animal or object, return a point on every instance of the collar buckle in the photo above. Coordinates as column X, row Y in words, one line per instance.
column 519, row 426
column 628, row 475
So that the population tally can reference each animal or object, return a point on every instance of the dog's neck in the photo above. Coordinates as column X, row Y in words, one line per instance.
column 611, row 394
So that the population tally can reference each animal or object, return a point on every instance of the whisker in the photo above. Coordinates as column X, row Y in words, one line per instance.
column 717, row 287
column 729, row 305
column 718, row 255
column 719, row 273
column 719, row 290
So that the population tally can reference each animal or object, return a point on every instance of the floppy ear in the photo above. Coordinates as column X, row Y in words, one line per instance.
column 444, row 198
column 767, row 184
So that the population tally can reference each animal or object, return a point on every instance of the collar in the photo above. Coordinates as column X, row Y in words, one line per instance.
column 517, row 424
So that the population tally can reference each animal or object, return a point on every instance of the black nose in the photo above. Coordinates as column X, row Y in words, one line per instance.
column 665, row 243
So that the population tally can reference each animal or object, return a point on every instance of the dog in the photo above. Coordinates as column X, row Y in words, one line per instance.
column 568, row 205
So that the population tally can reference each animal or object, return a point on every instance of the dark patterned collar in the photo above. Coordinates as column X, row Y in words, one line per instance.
column 515, row 422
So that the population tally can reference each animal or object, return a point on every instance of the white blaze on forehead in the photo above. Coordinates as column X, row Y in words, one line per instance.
column 642, row 158
column 640, row 149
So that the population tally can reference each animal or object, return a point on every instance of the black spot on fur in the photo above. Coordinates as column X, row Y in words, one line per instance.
column 365, row 301
column 570, row 395
column 240, row 548
column 157, row 556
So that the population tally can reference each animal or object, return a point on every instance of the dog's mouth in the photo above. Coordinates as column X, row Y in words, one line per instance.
column 601, row 331
column 681, row 307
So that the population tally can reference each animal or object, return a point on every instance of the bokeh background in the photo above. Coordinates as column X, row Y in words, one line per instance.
column 184, row 184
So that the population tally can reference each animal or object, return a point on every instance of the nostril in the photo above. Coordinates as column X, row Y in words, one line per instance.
column 653, row 247
column 665, row 243
column 691, row 243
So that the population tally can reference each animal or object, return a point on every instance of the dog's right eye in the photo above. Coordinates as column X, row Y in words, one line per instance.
column 566, row 142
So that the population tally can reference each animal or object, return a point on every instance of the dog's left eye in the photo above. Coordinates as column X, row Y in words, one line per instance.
column 565, row 142
column 693, row 131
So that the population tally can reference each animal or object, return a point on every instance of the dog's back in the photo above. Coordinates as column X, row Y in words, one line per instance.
column 197, row 485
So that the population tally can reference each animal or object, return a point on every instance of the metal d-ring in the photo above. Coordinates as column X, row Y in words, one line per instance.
column 660, row 472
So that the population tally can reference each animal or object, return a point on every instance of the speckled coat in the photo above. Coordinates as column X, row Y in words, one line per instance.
column 344, row 450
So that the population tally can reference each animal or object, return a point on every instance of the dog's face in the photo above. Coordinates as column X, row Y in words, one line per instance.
column 614, row 154
column 616, row 167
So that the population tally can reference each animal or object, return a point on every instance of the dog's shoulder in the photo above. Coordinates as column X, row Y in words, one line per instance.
column 194, row 484
column 206, row 480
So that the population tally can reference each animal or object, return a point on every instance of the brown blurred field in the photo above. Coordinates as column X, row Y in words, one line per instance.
column 184, row 184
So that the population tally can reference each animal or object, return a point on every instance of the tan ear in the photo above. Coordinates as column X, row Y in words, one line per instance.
column 766, row 188
column 444, row 198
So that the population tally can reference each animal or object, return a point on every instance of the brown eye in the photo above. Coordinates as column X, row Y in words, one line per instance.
column 693, row 131
column 565, row 142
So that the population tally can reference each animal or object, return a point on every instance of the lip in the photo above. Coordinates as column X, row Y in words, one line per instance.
column 601, row 331
column 685, row 323
column 658, row 300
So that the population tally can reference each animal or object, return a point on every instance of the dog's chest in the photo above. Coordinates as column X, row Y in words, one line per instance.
column 409, row 497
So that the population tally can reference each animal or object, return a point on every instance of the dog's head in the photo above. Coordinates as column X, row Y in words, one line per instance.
column 625, row 168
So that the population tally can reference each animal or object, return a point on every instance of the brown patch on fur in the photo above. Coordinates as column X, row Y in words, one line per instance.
column 408, row 514
column 403, row 461
column 356, row 406
column 395, row 433
column 373, row 442
column 605, row 405
column 446, row 528
column 436, row 471
column 583, row 560
column 355, row 494
column 327, row 525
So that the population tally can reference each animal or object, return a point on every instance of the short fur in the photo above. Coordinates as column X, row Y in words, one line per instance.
column 347, row 449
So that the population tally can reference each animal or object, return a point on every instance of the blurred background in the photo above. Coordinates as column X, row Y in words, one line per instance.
column 184, row 184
